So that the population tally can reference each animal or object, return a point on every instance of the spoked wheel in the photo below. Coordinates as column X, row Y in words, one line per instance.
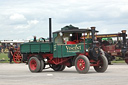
column 58, row 67
column 103, row 64
column 34, row 64
column 17, row 58
column 82, row 64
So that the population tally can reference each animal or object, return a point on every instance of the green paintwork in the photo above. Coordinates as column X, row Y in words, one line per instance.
column 36, row 47
column 106, row 38
column 64, row 50
column 68, row 27
column 68, row 50
column 54, row 36
column 88, row 42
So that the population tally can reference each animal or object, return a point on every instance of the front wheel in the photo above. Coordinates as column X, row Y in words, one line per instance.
column 34, row 64
column 103, row 64
column 82, row 64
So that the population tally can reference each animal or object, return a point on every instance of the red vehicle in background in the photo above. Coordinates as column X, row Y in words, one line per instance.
column 115, row 45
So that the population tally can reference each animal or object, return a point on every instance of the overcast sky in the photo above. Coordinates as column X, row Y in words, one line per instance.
column 23, row 19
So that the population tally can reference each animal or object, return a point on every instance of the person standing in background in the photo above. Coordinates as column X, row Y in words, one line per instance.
column 11, row 53
column 0, row 49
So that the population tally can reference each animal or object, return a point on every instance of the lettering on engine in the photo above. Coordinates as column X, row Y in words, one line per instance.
column 73, row 48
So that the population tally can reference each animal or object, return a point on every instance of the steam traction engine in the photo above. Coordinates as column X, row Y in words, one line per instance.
column 113, row 48
column 67, row 49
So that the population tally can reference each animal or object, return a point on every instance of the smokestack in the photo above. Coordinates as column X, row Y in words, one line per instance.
column 124, row 37
column 50, row 30
column 93, row 33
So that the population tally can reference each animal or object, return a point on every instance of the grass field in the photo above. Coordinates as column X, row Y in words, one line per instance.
column 4, row 58
column 120, row 61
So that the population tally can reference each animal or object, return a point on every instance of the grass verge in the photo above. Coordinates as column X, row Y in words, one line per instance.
column 121, row 61
column 4, row 58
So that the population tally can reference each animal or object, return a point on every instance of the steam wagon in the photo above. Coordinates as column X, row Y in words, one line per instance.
column 66, row 49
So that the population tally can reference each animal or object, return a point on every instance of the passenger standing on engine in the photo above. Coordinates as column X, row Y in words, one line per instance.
column 11, row 53
column 34, row 39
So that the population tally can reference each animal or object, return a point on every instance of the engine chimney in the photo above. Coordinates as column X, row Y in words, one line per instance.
column 124, row 37
column 93, row 33
column 50, row 30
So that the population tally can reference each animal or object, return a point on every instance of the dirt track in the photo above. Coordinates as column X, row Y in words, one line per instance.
column 19, row 74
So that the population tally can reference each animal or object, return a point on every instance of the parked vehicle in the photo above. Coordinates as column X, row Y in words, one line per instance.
column 114, row 45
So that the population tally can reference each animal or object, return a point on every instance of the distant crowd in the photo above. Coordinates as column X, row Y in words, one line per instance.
column 5, row 48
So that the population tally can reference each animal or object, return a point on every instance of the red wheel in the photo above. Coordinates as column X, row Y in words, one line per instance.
column 82, row 64
column 34, row 64
column 17, row 57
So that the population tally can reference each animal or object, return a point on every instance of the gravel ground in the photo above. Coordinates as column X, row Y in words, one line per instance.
column 19, row 74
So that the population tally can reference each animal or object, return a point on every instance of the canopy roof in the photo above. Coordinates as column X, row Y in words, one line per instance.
column 72, row 29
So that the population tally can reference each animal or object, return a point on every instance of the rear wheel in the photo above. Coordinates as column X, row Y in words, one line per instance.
column 58, row 67
column 109, row 58
column 103, row 64
column 34, row 64
column 126, row 60
column 42, row 65
column 82, row 64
